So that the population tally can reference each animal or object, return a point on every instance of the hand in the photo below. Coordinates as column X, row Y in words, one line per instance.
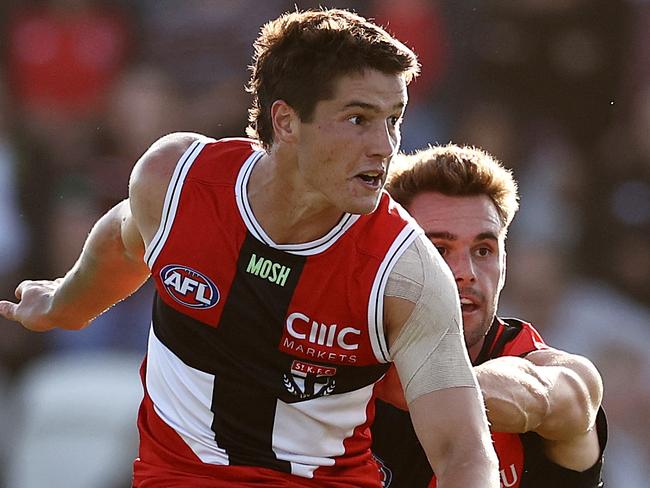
column 34, row 307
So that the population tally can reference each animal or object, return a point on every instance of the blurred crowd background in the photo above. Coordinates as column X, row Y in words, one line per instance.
column 557, row 90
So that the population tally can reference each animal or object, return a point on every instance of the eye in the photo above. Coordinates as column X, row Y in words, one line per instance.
column 357, row 119
column 483, row 251
column 442, row 250
column 394, row 120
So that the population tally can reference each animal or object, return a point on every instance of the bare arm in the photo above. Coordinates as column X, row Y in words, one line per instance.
column 452, row 422
column 550, row 392
column 427, row 347
column 111, row 265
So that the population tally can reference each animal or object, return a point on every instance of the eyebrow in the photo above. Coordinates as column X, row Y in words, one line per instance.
column 441, row 235
column 448, row 236
column 369, row 106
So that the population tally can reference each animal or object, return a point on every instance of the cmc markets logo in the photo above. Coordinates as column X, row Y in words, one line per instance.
column 299, row 326
column 189, row 287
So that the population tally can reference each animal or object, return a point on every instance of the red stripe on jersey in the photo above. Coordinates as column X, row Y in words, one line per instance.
column 210, row 180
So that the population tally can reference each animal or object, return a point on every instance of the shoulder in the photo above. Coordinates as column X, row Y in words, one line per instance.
column 420, row 289
column 424, row 259
column 420, row 271
column 158, row 162
column 151, row 176
column 517, row 338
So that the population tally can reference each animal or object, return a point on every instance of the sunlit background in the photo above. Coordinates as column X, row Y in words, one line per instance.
column 557, row 90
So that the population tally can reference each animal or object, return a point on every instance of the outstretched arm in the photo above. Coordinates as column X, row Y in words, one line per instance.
column 111, row 265
column 551, row 392
column 109, row 268
column 426, row 344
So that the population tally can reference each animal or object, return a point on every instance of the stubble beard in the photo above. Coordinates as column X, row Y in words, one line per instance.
column 479, row 333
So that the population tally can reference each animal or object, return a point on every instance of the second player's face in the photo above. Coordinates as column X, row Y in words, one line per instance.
column 345, row 150
column 468, row 234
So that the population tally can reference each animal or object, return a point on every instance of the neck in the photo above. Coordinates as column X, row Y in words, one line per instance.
column 287, row 211
column 475, row 350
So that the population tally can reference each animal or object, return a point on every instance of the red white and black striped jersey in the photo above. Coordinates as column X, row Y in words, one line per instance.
column 262, row 358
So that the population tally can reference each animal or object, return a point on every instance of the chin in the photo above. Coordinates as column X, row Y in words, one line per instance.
column 363, row 207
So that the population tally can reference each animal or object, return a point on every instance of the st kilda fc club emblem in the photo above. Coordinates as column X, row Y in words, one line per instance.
column 309, row 380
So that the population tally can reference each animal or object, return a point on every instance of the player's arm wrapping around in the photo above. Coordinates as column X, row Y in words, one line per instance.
column 553, row 393
column 426, row 343
column 110, row 266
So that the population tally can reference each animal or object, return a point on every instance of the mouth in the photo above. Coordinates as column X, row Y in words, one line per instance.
column 468, row 305
column 371, row 179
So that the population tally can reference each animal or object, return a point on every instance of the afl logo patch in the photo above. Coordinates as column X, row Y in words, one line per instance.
column 189, row 287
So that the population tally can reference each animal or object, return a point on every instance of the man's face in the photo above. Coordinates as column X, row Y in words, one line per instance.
column 344, row 152
column 468, row 234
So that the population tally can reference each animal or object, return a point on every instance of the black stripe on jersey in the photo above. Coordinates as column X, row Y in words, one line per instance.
column 245, row 393
column 493, row 349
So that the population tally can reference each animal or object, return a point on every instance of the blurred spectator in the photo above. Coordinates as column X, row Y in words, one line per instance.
column 14, row 233
column 618, row 209
column 203, row 46
column 493, row 125
column 63, row 55
column 16, row 346
column 559, row 60
column 552, row 187
column 144, row 104
column 420, row 25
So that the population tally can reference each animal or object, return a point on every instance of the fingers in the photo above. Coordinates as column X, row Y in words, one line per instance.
column 8, row 309
column 20, row 288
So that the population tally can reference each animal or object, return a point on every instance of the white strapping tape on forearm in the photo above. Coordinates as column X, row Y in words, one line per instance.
column 429, row 351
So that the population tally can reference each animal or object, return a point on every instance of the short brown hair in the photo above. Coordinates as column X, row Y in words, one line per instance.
column 299, row 56
column 454, row 171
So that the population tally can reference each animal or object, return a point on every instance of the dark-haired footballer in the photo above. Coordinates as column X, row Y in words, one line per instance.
column 273, row 259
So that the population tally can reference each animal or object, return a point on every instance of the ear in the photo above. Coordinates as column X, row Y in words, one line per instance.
column 286, row 122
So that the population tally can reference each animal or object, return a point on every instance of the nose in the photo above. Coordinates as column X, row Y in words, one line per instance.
column 463, row 269
column 385, row 141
